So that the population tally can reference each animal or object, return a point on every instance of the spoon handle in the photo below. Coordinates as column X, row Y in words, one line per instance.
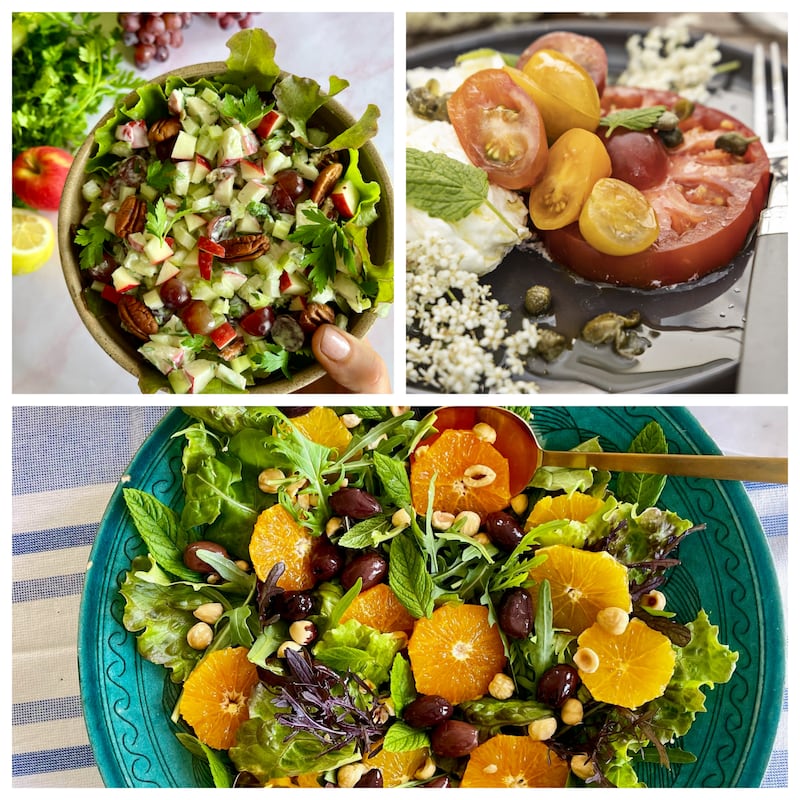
column 732, row 468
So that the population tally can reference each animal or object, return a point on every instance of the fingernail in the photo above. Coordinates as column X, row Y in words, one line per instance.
column 334, row 344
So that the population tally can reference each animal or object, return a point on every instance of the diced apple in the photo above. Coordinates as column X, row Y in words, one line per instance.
column 168, row 270
column 205, row 261
column 270, row 122
column 250, row 142
column 137, row 241
column 345, row 198
column 152, row 299
column 228, row 375
column 224, row 190
column 199, row 372
column 179, row 381
column 200, row 168
column 133, row 132
column 164, row 357
column 231, row 148
column 194, row 222
column 158, row 250
column 184, row 147
column 124, row 280
column 223, row 335
column 251, row 170
column 230, row 282
column 297, row 303
column 252, row 191
column 181, row 180
column 202, row 111
column 108, row 292
column 207, row 245
column 293, row 283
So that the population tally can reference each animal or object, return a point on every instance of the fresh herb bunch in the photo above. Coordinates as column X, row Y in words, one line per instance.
column 64, row 68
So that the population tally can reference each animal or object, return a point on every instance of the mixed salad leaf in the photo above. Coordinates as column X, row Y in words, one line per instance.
column 342, row 695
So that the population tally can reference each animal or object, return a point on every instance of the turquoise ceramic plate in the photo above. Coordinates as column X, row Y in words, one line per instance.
column 727, row 570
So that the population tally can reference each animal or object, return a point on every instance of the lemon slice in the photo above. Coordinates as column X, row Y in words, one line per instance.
column 32, row 240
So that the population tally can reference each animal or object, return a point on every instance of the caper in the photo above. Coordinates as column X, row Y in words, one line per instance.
column 667, row 121
column 607, row 326
column 683, row 108
column 734, row 143
column 551, row 344
column 537, row 300
column 672, row 138
column 427, row 102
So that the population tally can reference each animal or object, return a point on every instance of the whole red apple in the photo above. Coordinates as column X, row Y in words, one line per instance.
column 38, row 175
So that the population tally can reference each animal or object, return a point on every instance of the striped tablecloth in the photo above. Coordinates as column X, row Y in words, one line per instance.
column 66, row 462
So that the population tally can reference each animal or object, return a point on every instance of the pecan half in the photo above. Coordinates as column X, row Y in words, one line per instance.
column 314, row 315
column 245, row 248
column 163, row 129
column 136, row 317
column 325, row 182
column 130, row 217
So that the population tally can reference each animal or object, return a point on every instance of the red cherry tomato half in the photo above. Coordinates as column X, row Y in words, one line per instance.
column 706, row 205
column 583, row 50
column 500, row 128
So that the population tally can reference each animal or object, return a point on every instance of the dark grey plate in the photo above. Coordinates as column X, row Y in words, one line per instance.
column 694, row 330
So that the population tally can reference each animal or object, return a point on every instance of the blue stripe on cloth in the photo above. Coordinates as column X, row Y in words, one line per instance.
column 47, row 588
column 57, row 760
column 53, row 539
column 777, row 770
column 94, row 445
column 53, row 708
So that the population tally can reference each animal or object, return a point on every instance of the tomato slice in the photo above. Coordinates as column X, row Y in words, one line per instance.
column 706, row 204
column 583, row 50
column 575, row 162
column 500, row 128
column 617, row 219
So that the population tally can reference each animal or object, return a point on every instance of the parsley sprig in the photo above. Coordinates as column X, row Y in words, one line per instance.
column 326, row 244
column 246, row 109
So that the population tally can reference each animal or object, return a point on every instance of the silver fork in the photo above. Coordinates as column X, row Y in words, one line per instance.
column 763, row 366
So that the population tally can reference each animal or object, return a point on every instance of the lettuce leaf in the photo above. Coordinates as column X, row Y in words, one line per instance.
column 360, row 649
column 267, row 749
column 160, row 612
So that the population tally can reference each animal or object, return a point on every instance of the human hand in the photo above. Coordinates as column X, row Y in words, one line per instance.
column 352, row 364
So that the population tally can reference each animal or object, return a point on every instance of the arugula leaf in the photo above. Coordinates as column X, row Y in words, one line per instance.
column 161, row 530
column 443, row 187
column 641, row 488
column 634, row 119
column 408, row 578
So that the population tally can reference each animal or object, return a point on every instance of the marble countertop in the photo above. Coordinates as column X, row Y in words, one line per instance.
column 52, row 351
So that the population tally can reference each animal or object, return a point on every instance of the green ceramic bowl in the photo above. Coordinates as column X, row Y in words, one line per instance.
column 106, row 331
column 727, row 570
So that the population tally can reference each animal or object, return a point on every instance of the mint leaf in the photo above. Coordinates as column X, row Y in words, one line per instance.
column 401, row 684
column 639, row 488
column 366, row 533
column 443, row 187
column 401, row 738
column 393, row 476
column 408, row 578
column 160, row 528
column 634, row 119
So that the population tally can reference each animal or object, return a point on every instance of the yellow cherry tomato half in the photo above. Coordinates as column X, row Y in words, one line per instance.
column 617, row 219
column 575, row 162
column 563, row 90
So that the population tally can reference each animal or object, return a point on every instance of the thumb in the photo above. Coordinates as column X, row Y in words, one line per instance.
column 351, row 362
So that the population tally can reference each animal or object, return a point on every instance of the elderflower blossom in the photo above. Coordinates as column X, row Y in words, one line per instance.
column 664, row 58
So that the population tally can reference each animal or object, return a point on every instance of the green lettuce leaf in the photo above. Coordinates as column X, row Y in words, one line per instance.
column 360, row 649
column 160, row 612
column 251, row 61
column 264, row 747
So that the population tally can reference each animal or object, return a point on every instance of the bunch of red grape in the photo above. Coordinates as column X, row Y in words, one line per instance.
column 152, row 35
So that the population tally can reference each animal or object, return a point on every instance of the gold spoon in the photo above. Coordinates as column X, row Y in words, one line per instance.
column 517, row 442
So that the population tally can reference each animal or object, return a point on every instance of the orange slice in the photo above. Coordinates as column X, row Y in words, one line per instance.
column 469, row 474
column 582, row 583
column 215, row 696
column 635, row 665
column 397, row 768
column 277, row 537
column 456, row 652
column 575, row 506
column 514, row 762
column 324, row 426
column 379, row 608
